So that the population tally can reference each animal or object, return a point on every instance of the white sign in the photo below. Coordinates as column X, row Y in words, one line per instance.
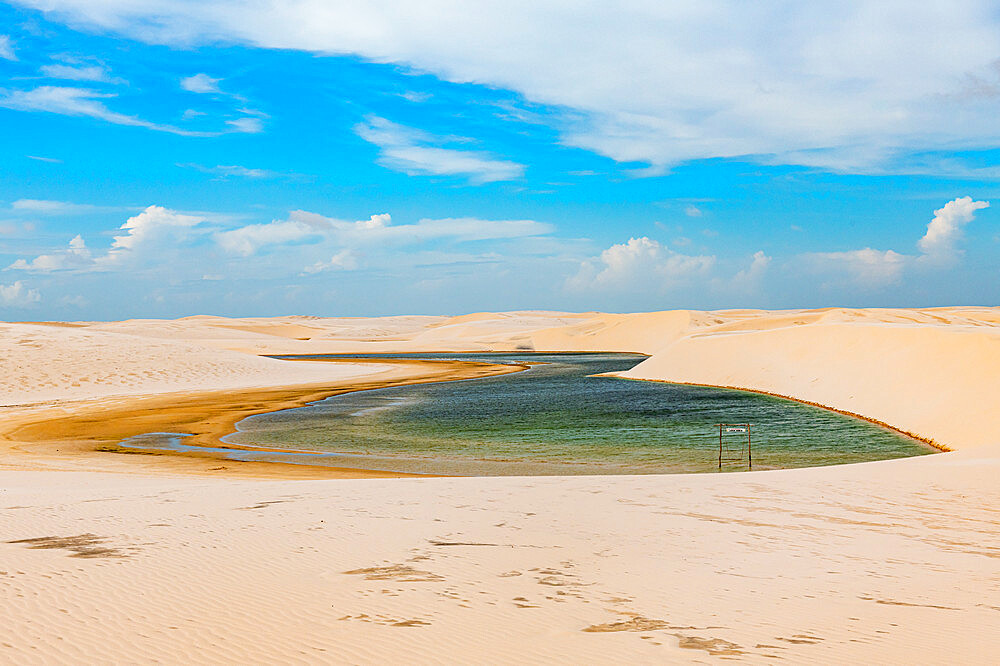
column 736, row 429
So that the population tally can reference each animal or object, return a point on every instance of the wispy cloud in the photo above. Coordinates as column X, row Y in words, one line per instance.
column 80, row 102
column 38, row 158
column 376, row 231
column 415, row 152
column 246, row 125
column 223, row 171
column 94, row 73
column 6, row 48
column 49, row 207
column 70, row 101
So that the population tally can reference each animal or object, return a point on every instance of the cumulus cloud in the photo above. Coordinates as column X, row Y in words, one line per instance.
column 752, row 274
column 151, row 229
column 878, row 268
column 415, row 153
column 76, row 256
column 692, row 211
column 201, row 83
column 866, row 267
column 18, row 295
column 640, row 263
column 943, row 232
column 849, row 85
column 150, row 225
column 94, row 73
column 6, row 48
column 378, row 221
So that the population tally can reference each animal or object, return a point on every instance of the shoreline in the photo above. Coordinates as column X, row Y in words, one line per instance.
column 90, row 429
column 941, row 448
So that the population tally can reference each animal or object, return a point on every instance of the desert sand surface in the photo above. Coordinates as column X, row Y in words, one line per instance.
column 109, row 558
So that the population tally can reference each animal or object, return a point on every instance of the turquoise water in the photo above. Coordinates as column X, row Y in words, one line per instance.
column 554, row 419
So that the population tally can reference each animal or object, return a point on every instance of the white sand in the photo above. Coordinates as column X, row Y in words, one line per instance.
column 49, row 363
column 889, row 562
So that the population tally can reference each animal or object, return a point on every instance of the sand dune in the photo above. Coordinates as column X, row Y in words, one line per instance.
column 889, row 562
column 43, row 363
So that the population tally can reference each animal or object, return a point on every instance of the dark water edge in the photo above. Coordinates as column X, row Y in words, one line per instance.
column 554, row 419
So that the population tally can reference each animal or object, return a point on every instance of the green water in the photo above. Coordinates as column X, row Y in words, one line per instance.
column 554, row 419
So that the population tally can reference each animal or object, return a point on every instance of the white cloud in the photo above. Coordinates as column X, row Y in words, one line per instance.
column 848, row 85
column 94, row 73
column 465, row 229
column 79, row 102
column 246, row 125
column 411, row 151
column 944, row 231
column 751, row 276
column 75, row 257
column 69, row 101
column 227, row 170
column 247, row 240
column 867, row 267
column 345, row 260
column 201, row 83
column 152, row 229
column 6, row 48
column 49, row 207
column 17, row 295
column 416, row 97
column 375, row 221
column 50, row 160
column 375, row 231
column 149, row 226
column 641, row 263
column 877, row 268
column 692, row 211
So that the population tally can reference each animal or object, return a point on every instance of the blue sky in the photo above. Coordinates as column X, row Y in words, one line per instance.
column 176, row 158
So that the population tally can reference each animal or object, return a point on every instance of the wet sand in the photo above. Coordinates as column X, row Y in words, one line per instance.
column 94, row 430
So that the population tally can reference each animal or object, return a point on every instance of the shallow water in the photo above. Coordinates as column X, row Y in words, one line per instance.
column 554, row 419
